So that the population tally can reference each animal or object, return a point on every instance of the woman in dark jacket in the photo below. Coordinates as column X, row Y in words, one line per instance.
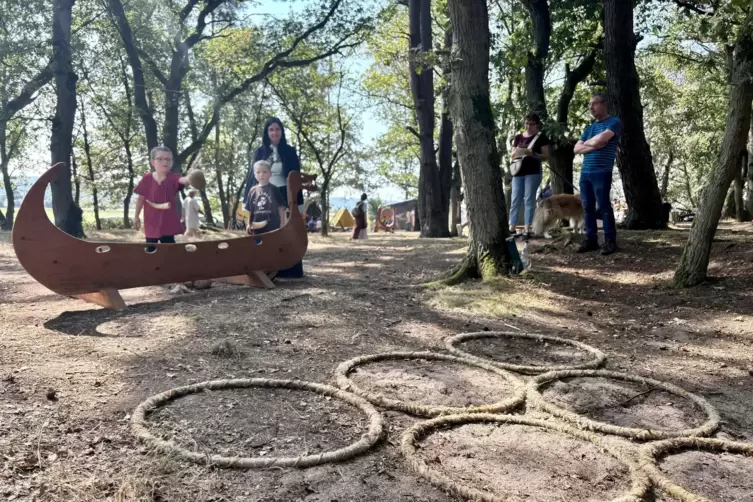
column 284, row 160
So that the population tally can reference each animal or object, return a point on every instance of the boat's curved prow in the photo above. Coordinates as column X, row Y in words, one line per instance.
column 71, row 266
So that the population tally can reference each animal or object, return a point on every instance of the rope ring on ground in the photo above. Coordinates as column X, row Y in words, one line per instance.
column 369, row 439
column 428, row 410
column 651, row 453
column 596, row 362
column 536, row 398
column 640, row 480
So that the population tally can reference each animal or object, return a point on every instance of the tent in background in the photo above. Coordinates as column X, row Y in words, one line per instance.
column 343, row 219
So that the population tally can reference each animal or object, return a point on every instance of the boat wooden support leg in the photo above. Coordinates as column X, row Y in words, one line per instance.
column 108, row 298
column 254, row 280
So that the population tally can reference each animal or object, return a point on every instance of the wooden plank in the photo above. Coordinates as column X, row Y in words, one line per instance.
column 108, row 298
column 254, row 280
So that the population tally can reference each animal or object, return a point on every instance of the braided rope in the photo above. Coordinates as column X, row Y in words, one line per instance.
column 651, row 453
column 370, row 438
column 410, row 438
column 537, row 400
column 597, row 360
column 508, row 404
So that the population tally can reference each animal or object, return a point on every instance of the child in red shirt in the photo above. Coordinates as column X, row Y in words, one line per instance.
column 157, row 191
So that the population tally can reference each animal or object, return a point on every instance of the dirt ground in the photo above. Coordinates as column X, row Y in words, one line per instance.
column 71, row 373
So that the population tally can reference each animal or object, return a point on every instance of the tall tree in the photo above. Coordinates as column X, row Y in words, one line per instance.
column 22, row 77
column 312, row 98
column 68, row 216
column 475, row 137
column 634, row 159
column 432, row 206
column 695, row 257
column 537, row 57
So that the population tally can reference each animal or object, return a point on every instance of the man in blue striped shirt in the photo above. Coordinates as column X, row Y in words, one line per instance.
column 599, row 145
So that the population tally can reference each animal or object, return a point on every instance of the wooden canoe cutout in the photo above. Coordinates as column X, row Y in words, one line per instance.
column 95, row 271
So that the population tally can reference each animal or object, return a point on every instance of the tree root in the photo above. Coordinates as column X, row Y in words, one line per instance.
column 460, row 273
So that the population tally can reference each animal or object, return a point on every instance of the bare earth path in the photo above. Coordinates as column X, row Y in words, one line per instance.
column 71, row 373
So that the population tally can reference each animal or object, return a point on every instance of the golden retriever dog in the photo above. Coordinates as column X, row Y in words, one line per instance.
column 551, row 210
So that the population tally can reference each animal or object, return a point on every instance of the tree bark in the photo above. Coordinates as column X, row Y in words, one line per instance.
column 455, row 216
column 739, row 185
column 634, row 159
column 536, row 61
column 475, row 138
column 445, row 140
column 561, row 159
column 76, row 179
column 68, row 216
column 90, row 166
column 665, row 175
column 7, row 220
column 434, row 220
column 218, row 173
column 695, row 258
column 561, row 154
column 749, row 201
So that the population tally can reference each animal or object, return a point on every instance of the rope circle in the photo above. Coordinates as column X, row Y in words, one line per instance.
column 369, row 439
column 536, row 398
column 410, row 438
column 597, row 360
column 650, row 454
column 421, row 410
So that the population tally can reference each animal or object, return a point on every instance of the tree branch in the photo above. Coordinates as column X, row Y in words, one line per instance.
column 26, row 96
column 413, row 131
column 275, row 62
column 152, row 66
column 693, row 8
column 201, row 22
column 186, row 11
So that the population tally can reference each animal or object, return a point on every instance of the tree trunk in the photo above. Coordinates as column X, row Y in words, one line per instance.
column 695, row 258
column 129, row 187
column 536, row 61
column 455, row 216
column 7, row 220
column 127, row 146
column 195, row 134
column 218, row 171
column 561, row 154
column 90, row 166
column 665, row 175
column 561, row 159
column 76, row 179
column 430, row 202
column 139, row 86
column 476, row 144
column 445, row 140
column 634, row 160
column 68, row 216
column 324, row 194
column 749, row 201
column 739, row 184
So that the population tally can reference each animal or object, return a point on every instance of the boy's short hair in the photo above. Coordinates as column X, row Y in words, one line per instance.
column 191, row 193
column 262, row 163
column 157, row 149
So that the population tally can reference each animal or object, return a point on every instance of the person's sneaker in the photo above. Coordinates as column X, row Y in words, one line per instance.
column 587, row 246
column 608, row 248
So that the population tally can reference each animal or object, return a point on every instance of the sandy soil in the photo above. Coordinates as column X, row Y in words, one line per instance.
column 71, row 373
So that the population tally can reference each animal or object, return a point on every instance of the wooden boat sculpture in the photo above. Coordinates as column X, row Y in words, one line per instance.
column 95, row 271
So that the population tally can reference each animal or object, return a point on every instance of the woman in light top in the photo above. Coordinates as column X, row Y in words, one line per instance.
column 283, row 160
